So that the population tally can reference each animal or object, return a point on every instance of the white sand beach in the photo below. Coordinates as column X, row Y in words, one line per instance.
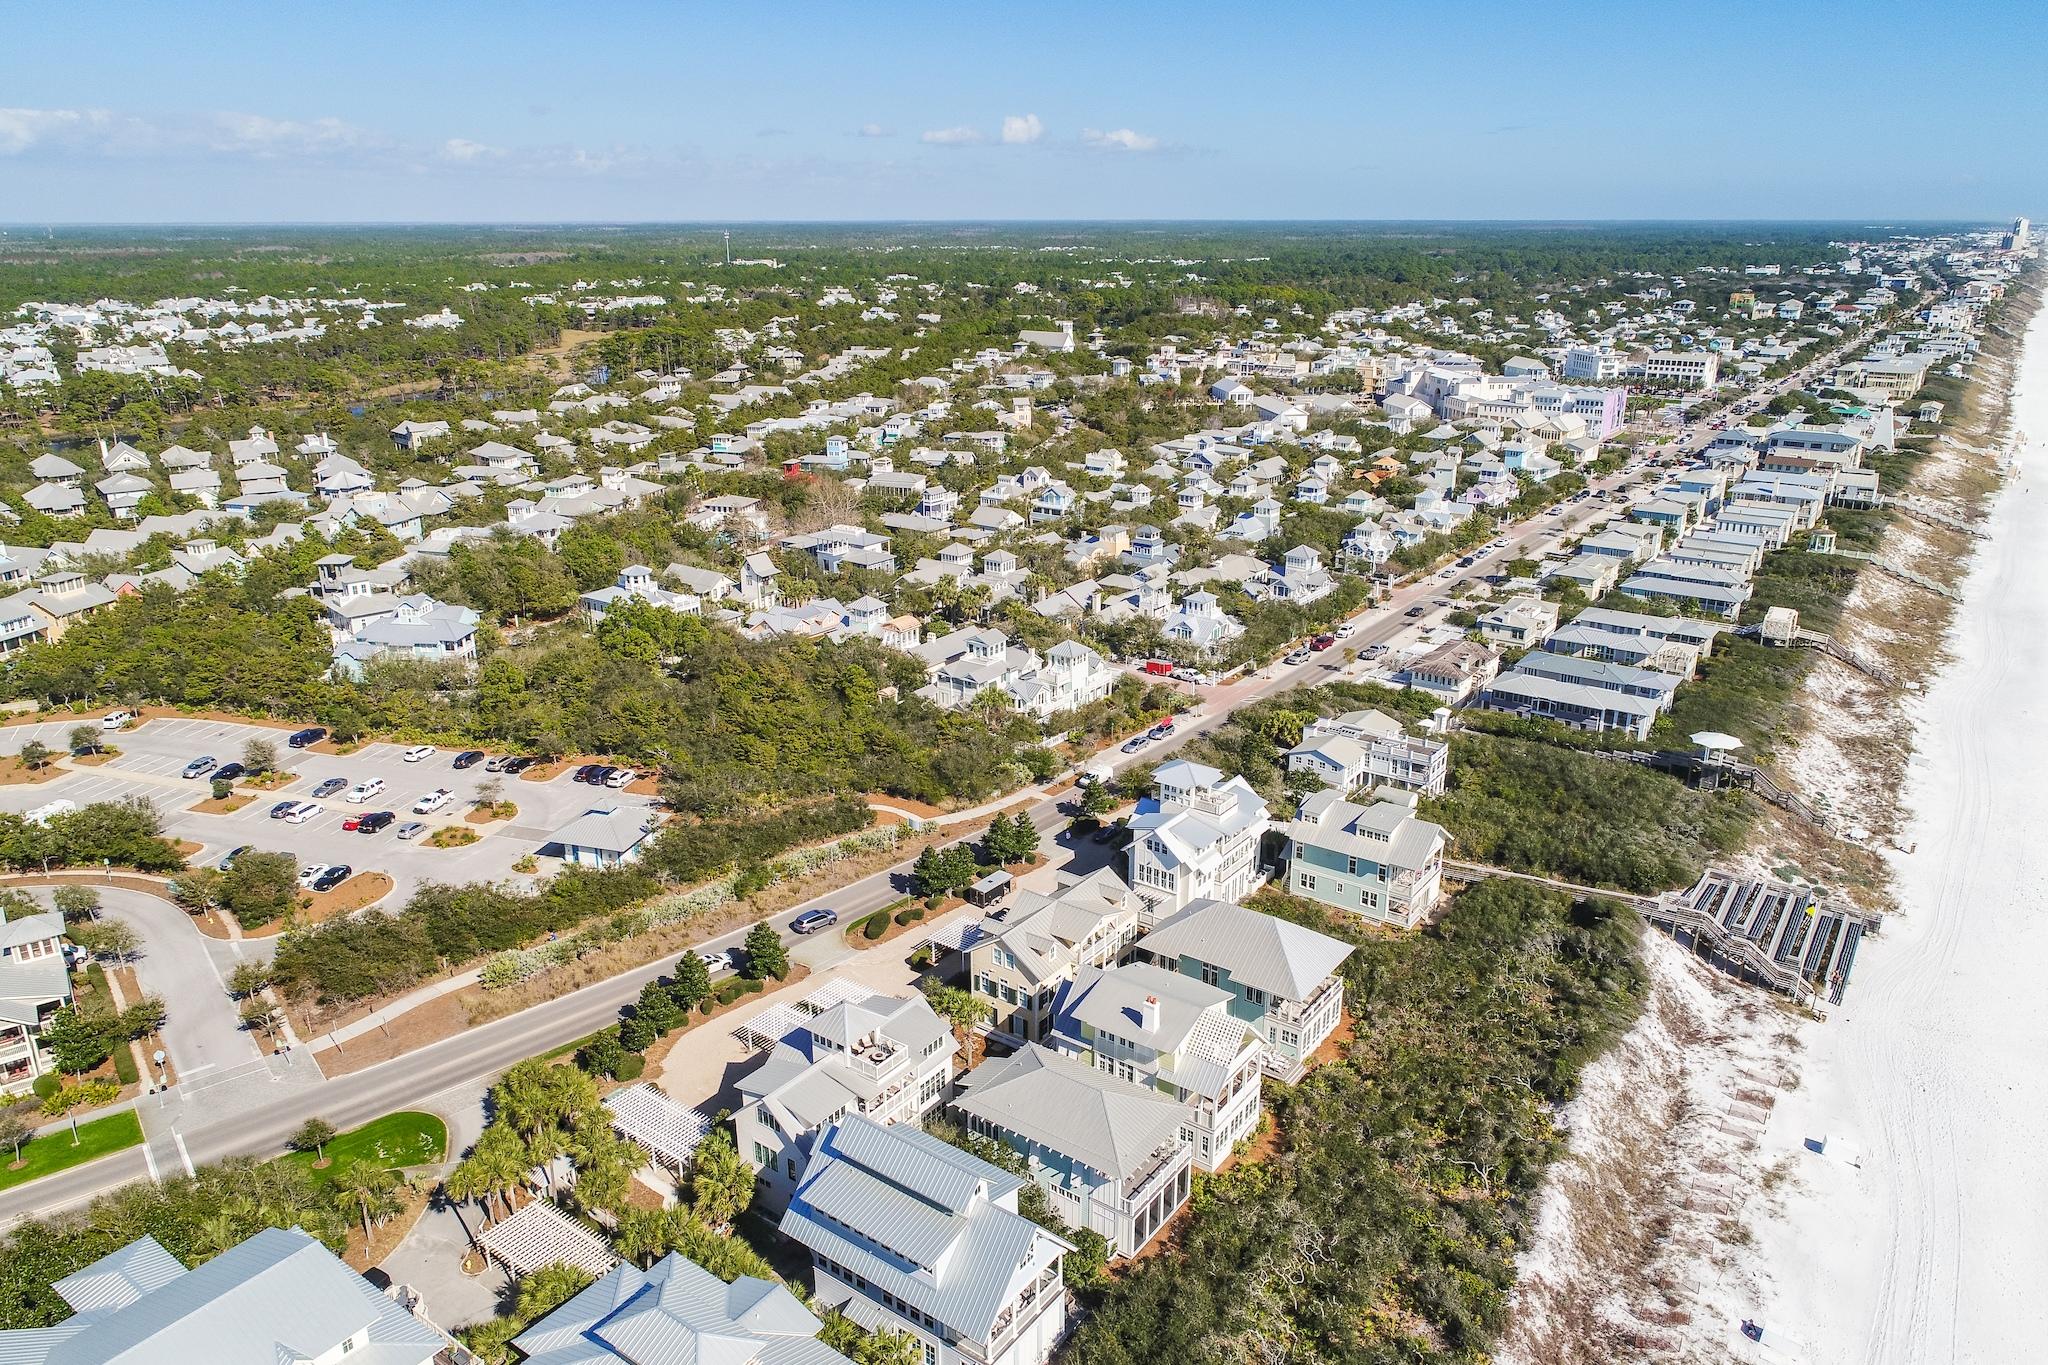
column 1921, row 1233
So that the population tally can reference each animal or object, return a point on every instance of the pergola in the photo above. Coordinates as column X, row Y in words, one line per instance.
column 541, row 1234
column 669, row 1131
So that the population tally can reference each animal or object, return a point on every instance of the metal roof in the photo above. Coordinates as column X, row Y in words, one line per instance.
column 279, row 1296
column 1108, row 1125
column 1278, row 956
column 677, row 1311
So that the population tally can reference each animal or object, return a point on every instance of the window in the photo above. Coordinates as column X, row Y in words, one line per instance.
column 1210, row 976
column 1255, row 995
column 1304, row 881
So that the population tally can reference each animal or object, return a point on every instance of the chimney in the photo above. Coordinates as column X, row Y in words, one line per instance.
column 1148, row 1014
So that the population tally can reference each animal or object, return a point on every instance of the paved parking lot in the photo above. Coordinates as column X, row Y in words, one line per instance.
column 154, row 754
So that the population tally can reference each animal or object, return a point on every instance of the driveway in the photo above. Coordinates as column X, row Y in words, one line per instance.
column 202, row 1031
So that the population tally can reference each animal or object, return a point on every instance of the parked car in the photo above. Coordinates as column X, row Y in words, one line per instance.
column 329, row 787
column 114, row 720
column 499, row 764
column 310, row 873
column 203, row 764
column 432, row 801
column 1161, row 730
column 364, row 790
column 1347, row 630
column 229, row 772
column 227, row 860
column 375, row 821
column 519, row 765
column 587, row 773
column 1189, row 675
column 284, row 808
column 1374, row 651
column 1135, row 743
column 411, row 829
column 1158, row 667
column 616, row 778
column 418, row 752
column 355, row 822
column 1322, row 642
column 1413, row 612
column 301, row 813
column 1299, row 656
column 332, row 877
column 469, row 758
column 811, row 921
column 312, row 734
column 717, row 961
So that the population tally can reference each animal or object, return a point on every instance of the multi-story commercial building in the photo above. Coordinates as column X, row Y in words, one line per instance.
column 1682, row 369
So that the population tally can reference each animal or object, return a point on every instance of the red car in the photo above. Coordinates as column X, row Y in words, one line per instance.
column 352, row 821
column 1322, row 642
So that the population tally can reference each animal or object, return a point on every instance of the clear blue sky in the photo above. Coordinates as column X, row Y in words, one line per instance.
column 434, row 110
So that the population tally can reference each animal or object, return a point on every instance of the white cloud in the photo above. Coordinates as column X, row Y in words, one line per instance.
column 960, row 136
column 24, row 130
column 872, row 130
column 1119, row 140
column 1022, row 128
column 462, row 149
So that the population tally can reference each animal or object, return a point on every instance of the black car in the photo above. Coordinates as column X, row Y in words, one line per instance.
column 1414, row 612
column 374, row 821
column 332, row 877
column 228, row 772
column 312, row 734
column 517, row 765
column 1105, row 834
column 284, row 807
column 588, row 773
column 469, row 758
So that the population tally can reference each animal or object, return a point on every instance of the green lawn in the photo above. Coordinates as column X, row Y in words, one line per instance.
column 407, row 1138
column 45, row 1155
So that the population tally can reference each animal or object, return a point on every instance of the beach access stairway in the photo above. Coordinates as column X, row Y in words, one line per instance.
column 1828, row 645
column 1770, row 932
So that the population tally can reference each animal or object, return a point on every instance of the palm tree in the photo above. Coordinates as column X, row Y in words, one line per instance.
column 721, row 1183
column 218, row 1231
column 498, row 1165
column 367, row 1189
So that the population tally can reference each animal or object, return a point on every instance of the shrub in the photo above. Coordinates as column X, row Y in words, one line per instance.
column 45, row 1086
column 875, row 925
column 910, row 914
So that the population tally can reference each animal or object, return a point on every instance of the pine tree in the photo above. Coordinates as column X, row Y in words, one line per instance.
column 766, row 957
